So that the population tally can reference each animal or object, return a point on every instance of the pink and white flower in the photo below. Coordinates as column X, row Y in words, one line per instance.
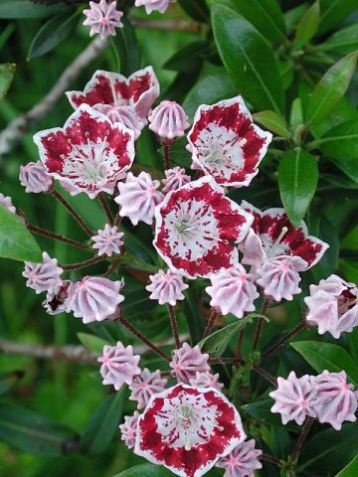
column 43, row 277
column 108, row 241
column 103, row 18
column 198, row 229
column 89, row 153
column 129, row 429
column 295, row 398
column 166, row 287
column 95, row 298
column 7, row 203
column 154, row 5
column 242, row 461
column 174, row 179
column 187, row 430
column 168, row 121
column 138, row 197
column 34, row 177
column 206, row 380
column 119, row 365
column 333, row 306
column 145, row 385
column 226, row 144
column 139, row 91
column 187, row 362
column 57, row 300
column 336, row 399
column 232, row 291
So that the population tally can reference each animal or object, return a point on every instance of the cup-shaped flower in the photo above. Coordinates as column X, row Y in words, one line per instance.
column 108, row 241
column 95, row 298
column 119, row 365
column 333, row 306
column 89, row 153
column 145, row 385
column 6, row 202
column 242, row 461
column 232, row 291
column 198, row 229
column 138, row 197
column 166, row 287
column 44, row 276
column 34, row 177
column 154, row 5
column 103, row 18
column 206, row 380
column 226, row 144
column 168, row 121
column 294, row 398
column 174, row 179
column 187, row 430
column 129, row 429
column 188, row 361
column 336, row 399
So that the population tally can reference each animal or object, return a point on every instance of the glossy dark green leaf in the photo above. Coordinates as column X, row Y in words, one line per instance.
column 261, row 410
column 92, row 342
column 32, row 432
column 16, row 242
column 334, row 12
column 327, row 356
column 55, row 31
column 248, row 59
column 7, row 72
column 326, row 230
column 127, row 47
column 195, row 319
column 145, row 470
column 26, row 9
column 274, row 122
column 308, row 25
column 190, row 57
column 197, row 10
column 343, row 41
column 9, row 380
column 294, row 15
column 350, row 470
column 340, row 142
column 298, row 177
column 330, row 89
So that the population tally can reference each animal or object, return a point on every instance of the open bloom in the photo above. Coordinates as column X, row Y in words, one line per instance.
column 187, row 430
column 45, row 276
column 154, row 5
column 333, row 306
column 119, row 365
column 57, row 299
column 232, row 291
column 166, row 287
column 7, row 203
column 129, row 429
column 138, row 197
column 206, row 380
column 197, row 229
column 103, row 18
column 174, row 179
column 168, row 121
column 188, row 361
column 34, row 177
column 108, row 241
column 139, row 92
column 89, row 153
column 95, row 298
column 294, row 398
column 226, row 144
column 336, row 400
column 242, row 461
column 145, row 385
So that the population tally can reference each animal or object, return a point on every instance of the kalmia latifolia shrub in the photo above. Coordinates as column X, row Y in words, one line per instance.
column 212, row 302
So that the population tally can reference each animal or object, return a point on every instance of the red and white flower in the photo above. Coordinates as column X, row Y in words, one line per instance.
column 187, row 430
column 226, row 144
column 198, row 229
column 89, row 154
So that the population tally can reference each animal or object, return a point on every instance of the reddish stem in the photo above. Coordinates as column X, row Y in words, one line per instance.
column 166, row 150
column 239, row 344
column 47, row 233
column 105, row 208
column 283, row 340
column 84, row 264
column 72, row 211
column 174, row 325
column 304, row 433
column 210, row 324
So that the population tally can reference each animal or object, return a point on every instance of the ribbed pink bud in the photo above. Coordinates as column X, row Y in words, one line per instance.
column 45, row 276
column 34, row 177
column 188, row 361
column 7, row 203
column 129, row 429
column 168, row 121
column 174, row 179
column 166, row 287
column 123, row 114
column 108, row 241
column 145, row 385
column 103, row 18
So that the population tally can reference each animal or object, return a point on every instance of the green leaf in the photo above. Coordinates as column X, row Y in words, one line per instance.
column 197, row 10
column 327, row 356
column 190, row 57
column 103, row 426
column 248, row 59
column 334, row 12
column 274, row 122
column 308, row 26
column 298, row 177
column 16, row 242
column 34, row 433
column 92, row 342
column 7, row 72
column 350, row 470
column 13, row 9
column 296, row 114
column 55, row 31
column 330, row 89
column 326, row 230
column 217, row 342
column 146, row 470
column 350, row 269
column 341, row 142
column 343, row 41
column 127, row 47
column 262, row 410
column 9, row 380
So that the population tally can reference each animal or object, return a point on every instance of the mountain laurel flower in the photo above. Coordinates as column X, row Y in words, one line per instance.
column 57, row 300
column 333, row 306
column 95, row 298
column 174, row 179
column 168, row 121
column 34, row 177
column 119, row 365
column 279, row 277
column 166, row 287
column 206, row 380
column 187, row 430
column 295, row 398
column 154, row 5
column 6, row 202
column 103, row 18
column 232, row 291
column 138, row 197
column 45, row 276
column 129, row 429
column 145, row 385
column 336, row 399
column 242, row 461
column 188, row 361
column 108, row 241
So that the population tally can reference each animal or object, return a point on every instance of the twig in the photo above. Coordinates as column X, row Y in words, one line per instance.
column 84, row 264
column 105, row 208
column 271, row 459
column 166, row 150
column 210, row 324
column 25, row 122
column 265, row 374
column 174, row 325
column 47, row 233
column 304, row 433
column 72, row 211
column 284, row 339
